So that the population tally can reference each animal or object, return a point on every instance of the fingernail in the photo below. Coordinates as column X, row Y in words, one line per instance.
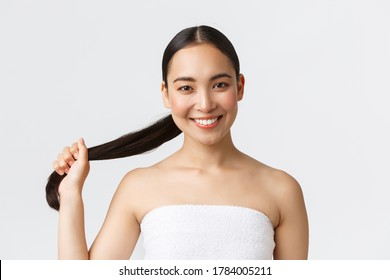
column 76, row 155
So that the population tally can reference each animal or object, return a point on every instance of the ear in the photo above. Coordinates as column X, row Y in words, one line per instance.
column 165, row 95
column 240, row 87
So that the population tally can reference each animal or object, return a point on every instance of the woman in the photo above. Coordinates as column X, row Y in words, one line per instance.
column 208, row 200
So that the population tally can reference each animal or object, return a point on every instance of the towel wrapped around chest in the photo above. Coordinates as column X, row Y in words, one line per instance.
column 185, row 232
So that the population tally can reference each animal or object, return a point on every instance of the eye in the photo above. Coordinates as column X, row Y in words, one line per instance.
column 220, row 85
column 185, row 88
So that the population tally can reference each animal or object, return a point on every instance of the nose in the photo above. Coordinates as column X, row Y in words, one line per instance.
column 205, row 101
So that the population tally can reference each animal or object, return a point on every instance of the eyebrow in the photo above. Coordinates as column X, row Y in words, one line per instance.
column 215, row 77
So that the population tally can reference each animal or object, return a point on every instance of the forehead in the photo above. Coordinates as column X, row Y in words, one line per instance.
column 199, row 60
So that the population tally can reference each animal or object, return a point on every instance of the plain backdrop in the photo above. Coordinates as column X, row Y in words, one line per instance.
column 316, row 105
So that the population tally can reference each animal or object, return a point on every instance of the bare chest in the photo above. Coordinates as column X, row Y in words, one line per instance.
column 238, row 189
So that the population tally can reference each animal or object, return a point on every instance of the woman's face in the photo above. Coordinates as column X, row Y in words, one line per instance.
column 202, row 93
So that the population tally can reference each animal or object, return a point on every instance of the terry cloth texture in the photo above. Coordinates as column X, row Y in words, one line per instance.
column 185, row 232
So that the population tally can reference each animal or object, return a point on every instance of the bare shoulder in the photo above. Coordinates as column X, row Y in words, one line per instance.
column 291, row 231
column 136, row 182
column 278, row 182
column 121, row 227
column 138, row 189
column 283, row 190
column 283, row 185
column 288, row 195
column 136, row 177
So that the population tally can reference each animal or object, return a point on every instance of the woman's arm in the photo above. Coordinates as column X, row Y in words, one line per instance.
column 292, row 233
column 120, row 231
column 71, row 234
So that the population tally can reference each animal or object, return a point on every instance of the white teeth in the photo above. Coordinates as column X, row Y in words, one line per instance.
column 206, row 122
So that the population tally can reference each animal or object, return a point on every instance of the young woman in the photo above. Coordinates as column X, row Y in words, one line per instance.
column 208, row 200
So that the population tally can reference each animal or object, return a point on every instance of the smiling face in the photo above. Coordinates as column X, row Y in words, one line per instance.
column 202, row 92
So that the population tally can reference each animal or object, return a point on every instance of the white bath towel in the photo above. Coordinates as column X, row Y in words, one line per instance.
column 207, row 232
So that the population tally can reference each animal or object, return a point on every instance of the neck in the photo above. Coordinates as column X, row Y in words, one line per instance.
column 202, row 156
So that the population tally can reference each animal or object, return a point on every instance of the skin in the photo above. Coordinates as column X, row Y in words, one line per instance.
column 208, row 169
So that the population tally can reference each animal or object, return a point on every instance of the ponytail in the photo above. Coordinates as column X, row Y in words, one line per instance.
column 131, row 144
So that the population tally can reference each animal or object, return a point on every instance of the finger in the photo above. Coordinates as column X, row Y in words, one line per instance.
column 67, row 156
column 74, row 150
column 63, row 166
column 57, row 168
column 83, row 150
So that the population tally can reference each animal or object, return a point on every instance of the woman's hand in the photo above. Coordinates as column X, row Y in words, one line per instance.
column 73, row 161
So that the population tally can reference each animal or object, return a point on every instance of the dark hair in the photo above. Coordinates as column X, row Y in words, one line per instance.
column 163, row 130
column 197, row 35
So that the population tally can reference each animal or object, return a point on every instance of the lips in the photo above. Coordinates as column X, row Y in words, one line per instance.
column 207, row 122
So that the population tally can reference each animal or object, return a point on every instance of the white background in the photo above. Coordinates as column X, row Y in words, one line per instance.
column 316, row 105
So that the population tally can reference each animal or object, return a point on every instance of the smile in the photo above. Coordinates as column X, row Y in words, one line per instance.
column 207, row 123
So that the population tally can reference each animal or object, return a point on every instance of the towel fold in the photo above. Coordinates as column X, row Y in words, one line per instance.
column 207, row 232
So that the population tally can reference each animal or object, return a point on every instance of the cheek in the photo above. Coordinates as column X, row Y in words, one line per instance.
column 229, row 102
column 179, row 106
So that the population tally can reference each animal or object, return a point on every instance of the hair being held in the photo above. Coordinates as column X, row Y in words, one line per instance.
column 127, row 145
